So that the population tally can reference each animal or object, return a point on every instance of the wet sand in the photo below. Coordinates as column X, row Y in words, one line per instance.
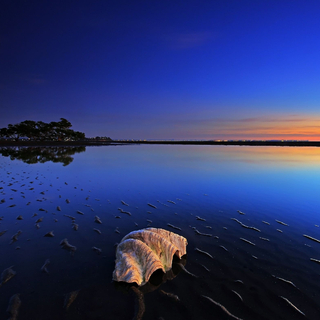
column 248, row 280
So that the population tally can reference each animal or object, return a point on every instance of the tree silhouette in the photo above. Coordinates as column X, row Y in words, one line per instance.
column 42, row 131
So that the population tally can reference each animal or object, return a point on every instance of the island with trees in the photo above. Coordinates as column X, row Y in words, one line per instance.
column 31, row 132
column 41, row 131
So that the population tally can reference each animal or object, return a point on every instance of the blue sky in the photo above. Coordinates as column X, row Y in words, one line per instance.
column 164, row 69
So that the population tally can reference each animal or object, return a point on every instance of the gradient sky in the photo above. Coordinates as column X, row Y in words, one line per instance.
column 164, row 69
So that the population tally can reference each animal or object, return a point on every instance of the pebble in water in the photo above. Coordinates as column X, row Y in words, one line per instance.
column 13, row 307
column 172, row 226
column 75, row 226
column 80, row 212
column 67, row 246
column 237, row 294
column 19, row 217
column 311, row 238
column 152, row 206
column 58, row 208
column 70, row 217
column 67, row 201
column 14, row 238
column 206, row 268
column 126, row 212
column 247, row 241
column 238, row 281
column 44, row 267
column 315, row 260
column 245, row 226
column 170, row 295
column 204, row 252
column 69, row 298
column 39, row 220
column 222, row 308
column 292, row 305
column 49, row 234
column 186, row 271
column 3, row 232
column 97, row 220
column 97, row 250
column 284, row 280
column 199, row 218
column 202, row 234
column 284, row 224
column 6, row 275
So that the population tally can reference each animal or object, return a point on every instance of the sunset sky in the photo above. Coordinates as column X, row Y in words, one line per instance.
column 164, row 69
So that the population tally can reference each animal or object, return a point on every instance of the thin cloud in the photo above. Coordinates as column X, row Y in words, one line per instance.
column 35, row 79
column 188, row 40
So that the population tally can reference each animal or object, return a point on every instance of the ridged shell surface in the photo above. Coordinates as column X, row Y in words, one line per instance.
column 144, row 251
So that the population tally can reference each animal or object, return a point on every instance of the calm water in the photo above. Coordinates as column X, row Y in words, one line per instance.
column 212, row 182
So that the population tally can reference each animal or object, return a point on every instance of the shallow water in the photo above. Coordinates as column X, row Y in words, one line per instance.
column 213, row 182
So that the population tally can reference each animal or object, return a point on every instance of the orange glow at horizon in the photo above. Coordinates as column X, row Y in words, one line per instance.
column 269, row 128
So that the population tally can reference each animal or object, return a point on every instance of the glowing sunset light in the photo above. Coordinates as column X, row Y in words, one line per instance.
column 209, row 70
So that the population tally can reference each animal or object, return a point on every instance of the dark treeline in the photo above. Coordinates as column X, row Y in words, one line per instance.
column 41, row 131
column 33, row 155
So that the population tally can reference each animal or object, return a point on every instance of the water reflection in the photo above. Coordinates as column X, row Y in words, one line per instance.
column 31, row 155
column 156, row 280
column 267, row 184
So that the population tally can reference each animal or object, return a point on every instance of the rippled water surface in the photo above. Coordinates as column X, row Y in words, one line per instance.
column 256, row 204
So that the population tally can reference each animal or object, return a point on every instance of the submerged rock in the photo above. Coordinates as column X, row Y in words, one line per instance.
column 69, row 298
column 14, row 238
column 97, row 220
column 3, row 232
column 97, row 250
column 49, row 234
column 44, row 267
column 6, row 275
column 13, row 307
column 67, row 246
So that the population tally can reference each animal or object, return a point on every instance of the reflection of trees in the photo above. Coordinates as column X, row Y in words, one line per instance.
column 32, row 155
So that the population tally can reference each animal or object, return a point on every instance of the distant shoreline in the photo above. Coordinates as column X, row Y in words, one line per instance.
column 88, row 143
